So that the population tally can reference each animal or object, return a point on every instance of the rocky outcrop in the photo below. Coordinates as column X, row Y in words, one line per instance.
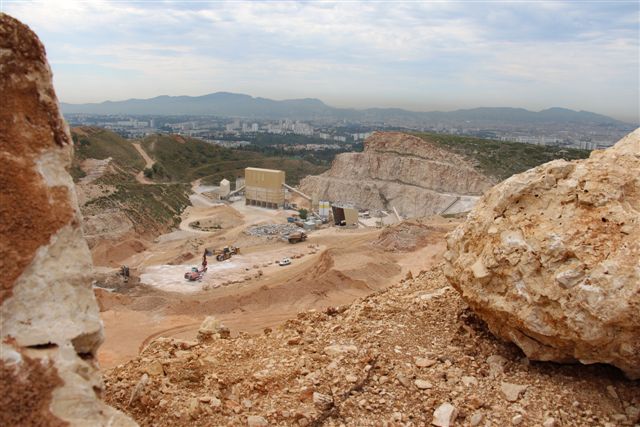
column 550, row 259
column 403, row 171
column 49, row 322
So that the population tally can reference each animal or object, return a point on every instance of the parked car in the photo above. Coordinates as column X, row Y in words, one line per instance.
column 284, row 261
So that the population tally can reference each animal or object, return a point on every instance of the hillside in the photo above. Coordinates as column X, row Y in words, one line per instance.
column 424, row 174
column 120, row 213
column 187, row 159
column 501, row 159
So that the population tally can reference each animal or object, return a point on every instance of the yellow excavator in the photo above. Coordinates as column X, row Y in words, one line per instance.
column 227, row 252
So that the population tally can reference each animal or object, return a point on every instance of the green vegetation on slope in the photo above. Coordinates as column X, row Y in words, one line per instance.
column 501, row 159
column 186, row 159
column 97, row 143
column 152, row 208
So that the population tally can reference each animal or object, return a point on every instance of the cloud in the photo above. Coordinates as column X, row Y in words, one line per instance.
column 419, row 54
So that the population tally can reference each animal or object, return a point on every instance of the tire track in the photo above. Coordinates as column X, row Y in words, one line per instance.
column 169, row 331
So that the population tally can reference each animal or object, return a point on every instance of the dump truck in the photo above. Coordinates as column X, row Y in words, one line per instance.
column 227, row 252
column 296, row 237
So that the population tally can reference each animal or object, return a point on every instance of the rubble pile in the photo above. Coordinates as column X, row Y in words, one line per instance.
column 407, row 236
column 271, row 231
column 411, row 355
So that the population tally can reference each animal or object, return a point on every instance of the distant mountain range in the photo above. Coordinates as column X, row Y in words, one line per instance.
column 225, row 104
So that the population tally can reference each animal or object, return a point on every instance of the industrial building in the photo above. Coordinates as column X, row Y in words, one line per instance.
column 264, row 187
column 345, row 215
column 224, row 189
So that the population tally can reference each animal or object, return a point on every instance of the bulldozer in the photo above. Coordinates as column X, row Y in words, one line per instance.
column 296, row 237
column 226, row 253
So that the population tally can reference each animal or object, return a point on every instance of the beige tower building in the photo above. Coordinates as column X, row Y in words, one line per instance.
column 263, row 187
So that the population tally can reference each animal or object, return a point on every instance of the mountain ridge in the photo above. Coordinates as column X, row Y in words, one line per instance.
column 246, row 106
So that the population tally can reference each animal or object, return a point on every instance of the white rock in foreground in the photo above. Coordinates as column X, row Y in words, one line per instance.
column 50, row 328
column 550, row 259
column 444, row 415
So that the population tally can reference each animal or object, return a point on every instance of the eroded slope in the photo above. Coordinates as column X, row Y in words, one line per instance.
column 398, row 170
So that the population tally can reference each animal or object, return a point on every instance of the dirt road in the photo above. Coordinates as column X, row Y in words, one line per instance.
column 148, row 163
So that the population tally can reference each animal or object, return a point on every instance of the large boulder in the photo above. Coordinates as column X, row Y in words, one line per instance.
column 50, row 327
column 550, row 259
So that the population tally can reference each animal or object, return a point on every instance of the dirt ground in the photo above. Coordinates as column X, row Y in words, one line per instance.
column 250, row 291
column 413, row 354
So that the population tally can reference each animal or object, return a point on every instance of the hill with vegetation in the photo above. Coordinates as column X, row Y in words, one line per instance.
column 104, row 168
column 187, row 159
column 501, row 159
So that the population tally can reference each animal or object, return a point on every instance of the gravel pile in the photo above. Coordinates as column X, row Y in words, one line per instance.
column 280, row 230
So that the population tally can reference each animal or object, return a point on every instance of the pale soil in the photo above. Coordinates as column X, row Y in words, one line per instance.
column 94, row 169
column 333, row 267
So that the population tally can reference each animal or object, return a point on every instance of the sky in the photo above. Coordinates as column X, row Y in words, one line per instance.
column 418, row 55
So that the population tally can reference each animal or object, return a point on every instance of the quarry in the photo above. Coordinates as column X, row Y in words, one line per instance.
column 419, row 289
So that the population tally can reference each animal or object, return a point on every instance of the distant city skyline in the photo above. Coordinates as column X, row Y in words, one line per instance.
column 420, row 56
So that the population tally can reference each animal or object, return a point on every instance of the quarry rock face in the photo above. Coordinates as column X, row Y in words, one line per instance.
column 49, row 322
column 403, row 171
column 550, row 259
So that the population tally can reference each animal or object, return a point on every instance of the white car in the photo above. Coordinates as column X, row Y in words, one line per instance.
column 284, row 261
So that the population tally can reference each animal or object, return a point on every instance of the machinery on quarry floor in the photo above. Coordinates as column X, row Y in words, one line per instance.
column 298, row 236
column 197, row 273
column 226, row 253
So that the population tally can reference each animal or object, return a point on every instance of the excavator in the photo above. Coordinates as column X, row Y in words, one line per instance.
column 197, row 273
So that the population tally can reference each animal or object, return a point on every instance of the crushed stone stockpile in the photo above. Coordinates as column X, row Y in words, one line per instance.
column 272, row 230
column 412, row 355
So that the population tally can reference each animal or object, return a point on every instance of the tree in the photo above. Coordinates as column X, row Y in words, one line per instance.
column 303, row 213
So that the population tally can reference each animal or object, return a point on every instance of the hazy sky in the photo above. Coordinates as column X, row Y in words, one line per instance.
column 411, row 54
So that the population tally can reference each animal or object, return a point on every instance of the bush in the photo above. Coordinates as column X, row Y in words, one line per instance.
column 303, row 213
